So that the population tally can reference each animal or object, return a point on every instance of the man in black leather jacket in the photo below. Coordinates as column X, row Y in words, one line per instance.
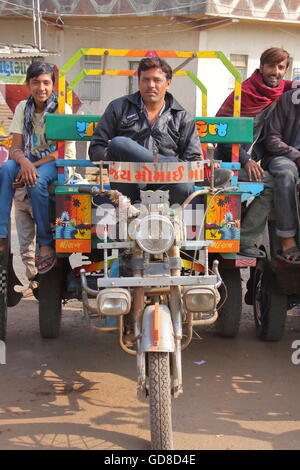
column 136, row 126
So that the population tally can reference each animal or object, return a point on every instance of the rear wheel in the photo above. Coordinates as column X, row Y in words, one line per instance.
column 3, row 291
column 160, row 401
column 50, row 301
column 228, row 322
column 270, row 305
column 3, row 303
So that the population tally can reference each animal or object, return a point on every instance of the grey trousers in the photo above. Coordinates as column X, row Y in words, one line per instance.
column 285, row 173
column 255, row 218
column 26, row 231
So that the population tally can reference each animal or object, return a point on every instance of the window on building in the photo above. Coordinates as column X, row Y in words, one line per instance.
column 240, row 62
column 290, row 71
column 91, row 84
column 296, row 74
column 133, row 80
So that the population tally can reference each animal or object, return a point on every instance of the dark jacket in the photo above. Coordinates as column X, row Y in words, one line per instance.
column 283, row 128
column 254, row 151
column 174, row 133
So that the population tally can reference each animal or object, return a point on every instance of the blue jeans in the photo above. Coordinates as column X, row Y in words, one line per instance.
column 286, row 174
column 127, row 150
column 38, row 197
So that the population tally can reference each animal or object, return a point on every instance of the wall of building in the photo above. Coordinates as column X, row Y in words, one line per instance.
column 134, row 33
column 241, row 38
column 148, row 34
column 157, row 33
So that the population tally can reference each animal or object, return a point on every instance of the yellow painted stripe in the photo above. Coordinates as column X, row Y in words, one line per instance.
column 70, row 98
column 113, row 52
column 188, row 265
column 180, row 73
column 143, row 53
column 61, row 95
column 237, row 99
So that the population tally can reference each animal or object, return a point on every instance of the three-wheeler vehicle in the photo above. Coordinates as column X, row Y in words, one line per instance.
column 274, row 285
column 153, row 272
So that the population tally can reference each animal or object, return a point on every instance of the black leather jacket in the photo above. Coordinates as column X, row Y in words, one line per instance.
column 174, row 134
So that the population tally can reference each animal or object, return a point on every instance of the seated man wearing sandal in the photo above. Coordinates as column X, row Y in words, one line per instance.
column 32, row 160
column 133, row 127
column 282, row 160
column 260, row 95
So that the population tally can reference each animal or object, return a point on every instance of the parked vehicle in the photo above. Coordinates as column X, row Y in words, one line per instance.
column 273, row 287
column 151, row 273
column 144, row 290
column 8, row 296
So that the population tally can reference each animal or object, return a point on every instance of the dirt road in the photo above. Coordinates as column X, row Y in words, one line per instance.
column 79, row 391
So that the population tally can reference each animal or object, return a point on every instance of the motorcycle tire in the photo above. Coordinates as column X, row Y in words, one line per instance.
column 4, row 294
column 269, row 304
column 3, row 304
column 50, row 302
column 230, row 310
column 160, row 401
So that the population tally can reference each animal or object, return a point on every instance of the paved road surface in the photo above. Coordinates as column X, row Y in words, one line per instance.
column 79, row 391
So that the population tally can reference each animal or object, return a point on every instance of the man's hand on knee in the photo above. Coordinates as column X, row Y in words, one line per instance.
column 254, row 171
column 28, row 173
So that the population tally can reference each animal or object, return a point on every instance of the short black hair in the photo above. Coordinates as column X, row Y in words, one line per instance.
column 155, row 62
column 39, row 68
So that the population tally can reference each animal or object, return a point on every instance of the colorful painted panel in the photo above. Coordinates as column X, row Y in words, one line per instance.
column 222, row 222
column 156, row 173
column 216, row 130
column 73, row 223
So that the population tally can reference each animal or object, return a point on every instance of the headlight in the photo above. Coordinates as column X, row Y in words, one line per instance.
column 113, row 302
column 200, row 299
column 155, row 234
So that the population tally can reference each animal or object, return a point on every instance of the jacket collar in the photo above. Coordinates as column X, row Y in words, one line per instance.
column 171, row 103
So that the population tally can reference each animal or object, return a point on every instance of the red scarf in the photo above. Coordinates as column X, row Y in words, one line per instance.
column 255, row 96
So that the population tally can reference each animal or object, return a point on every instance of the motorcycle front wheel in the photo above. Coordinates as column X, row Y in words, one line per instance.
column 3, row 298
column 160, row 401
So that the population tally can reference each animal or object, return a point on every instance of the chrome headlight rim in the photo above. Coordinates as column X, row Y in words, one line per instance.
column 201, row 291
column 113, row 293
column 155, row 218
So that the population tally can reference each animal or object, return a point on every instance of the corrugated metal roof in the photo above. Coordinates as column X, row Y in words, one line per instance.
column 14, row 51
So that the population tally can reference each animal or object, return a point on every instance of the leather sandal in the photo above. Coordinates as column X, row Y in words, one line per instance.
column 45, row 263
column 293, row 252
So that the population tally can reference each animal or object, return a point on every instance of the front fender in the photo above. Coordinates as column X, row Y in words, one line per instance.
column 157, row 330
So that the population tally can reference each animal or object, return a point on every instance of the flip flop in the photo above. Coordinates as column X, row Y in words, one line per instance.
column 251, row 252
column 27, row 293
column 294, row 252
column 45, row 263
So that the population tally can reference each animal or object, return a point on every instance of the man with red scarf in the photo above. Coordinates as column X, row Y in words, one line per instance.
column 260, row 94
